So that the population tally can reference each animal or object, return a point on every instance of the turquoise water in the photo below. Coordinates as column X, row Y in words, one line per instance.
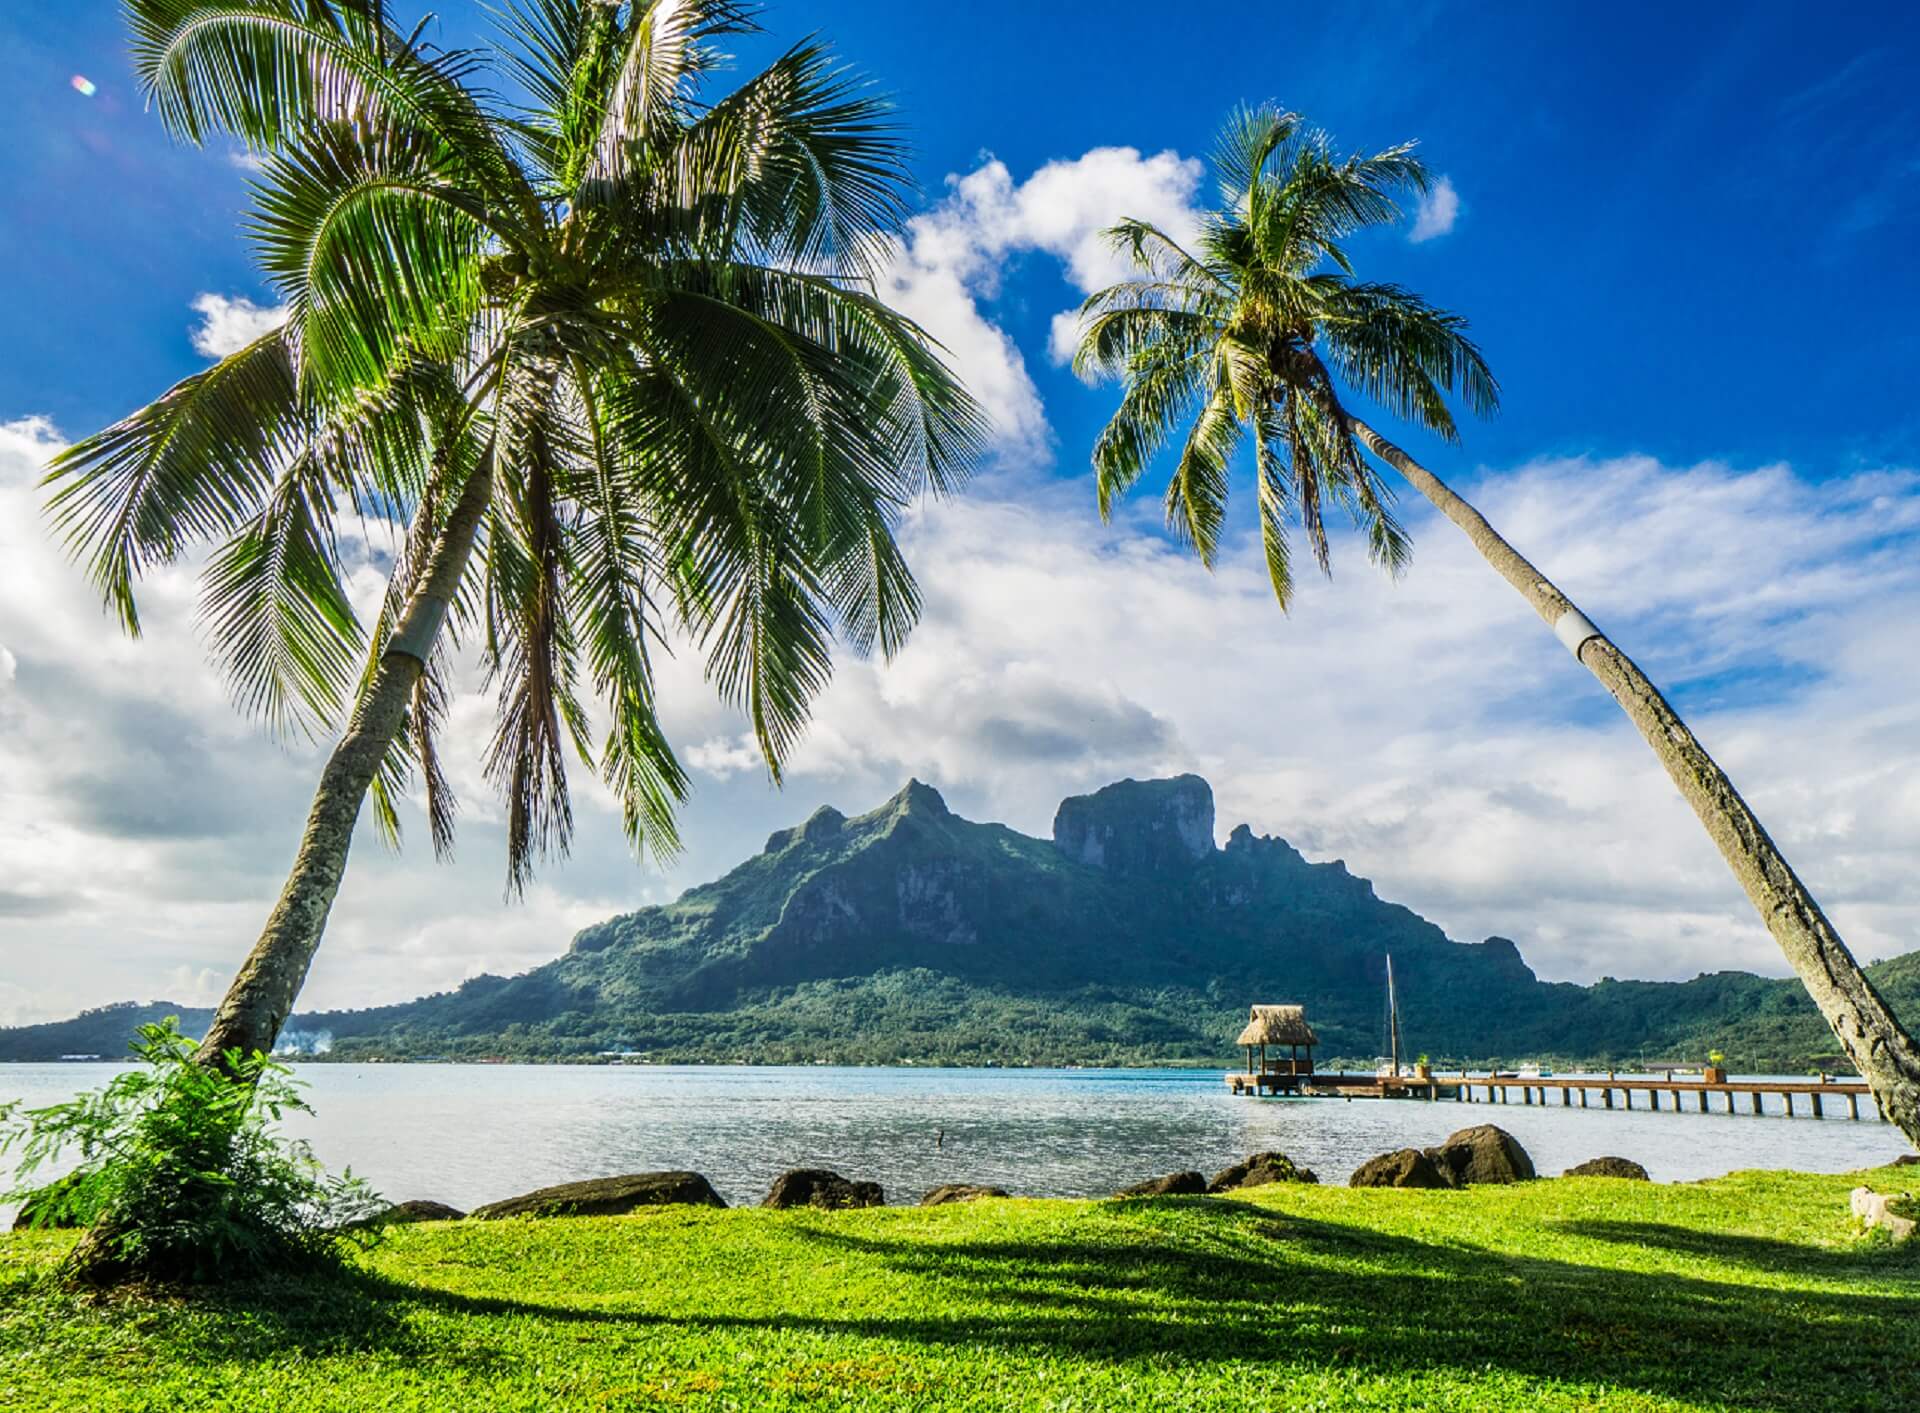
column 468, row 1134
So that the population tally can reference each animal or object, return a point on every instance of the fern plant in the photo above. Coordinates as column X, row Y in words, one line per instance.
column 182, row 1175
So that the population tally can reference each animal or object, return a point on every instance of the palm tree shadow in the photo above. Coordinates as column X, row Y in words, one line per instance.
column 1257, row 1287
column 1758, row 1253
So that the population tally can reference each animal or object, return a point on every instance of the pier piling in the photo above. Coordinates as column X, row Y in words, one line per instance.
column 1499, row 1090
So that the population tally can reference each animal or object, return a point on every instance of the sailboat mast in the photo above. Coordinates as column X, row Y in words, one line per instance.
column 1393, row 1018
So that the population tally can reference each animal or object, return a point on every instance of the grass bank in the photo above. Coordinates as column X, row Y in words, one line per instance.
column 1748, row 1291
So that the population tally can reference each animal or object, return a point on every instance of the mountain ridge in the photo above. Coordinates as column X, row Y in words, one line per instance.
column 911, row 934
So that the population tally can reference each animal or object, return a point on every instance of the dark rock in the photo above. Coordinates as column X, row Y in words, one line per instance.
column 1482, row 1154
column 1408, row 1167
column 1907, row 1160
column 960, row 1192
column 1609, row 1167
column 1258, row 1171
column 607, row 1197
column 822, row 1188
column 1187, row 1184
column 421, row 1209
column 400, row 1213
column 1139, row 827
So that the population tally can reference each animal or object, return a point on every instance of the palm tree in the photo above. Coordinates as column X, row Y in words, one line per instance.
column 603, row 357
column 1261, row 334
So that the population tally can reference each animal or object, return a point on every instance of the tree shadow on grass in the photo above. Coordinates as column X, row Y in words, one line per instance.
column 1759, row 1253
column 1250, row 1285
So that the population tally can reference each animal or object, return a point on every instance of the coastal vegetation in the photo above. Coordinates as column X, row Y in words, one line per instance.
column 1753, row 1290
column 1268, row 337
column 179, row 1173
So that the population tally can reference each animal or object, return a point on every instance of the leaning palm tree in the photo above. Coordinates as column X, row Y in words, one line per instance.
column 1260, row 335
column 602, row 357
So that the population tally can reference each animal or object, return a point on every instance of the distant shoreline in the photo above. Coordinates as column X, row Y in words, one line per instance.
column 1504, row 1068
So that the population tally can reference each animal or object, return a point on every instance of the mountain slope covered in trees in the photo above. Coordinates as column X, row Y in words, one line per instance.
column 911, row 934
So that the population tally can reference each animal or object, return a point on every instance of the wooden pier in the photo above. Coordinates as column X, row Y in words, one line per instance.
column 1497, row 1088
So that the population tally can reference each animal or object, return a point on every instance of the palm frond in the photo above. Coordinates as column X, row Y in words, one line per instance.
column 643, row 94
column 1350, row 476
column 1197, row 494
column 1247, row 141
column 1120, row 325
column 531, row 650
column 1406, row 355
column 376, row 248
column 1159, row 256
column 1322, row 200
column 807, row 163
column 743, row 581
column 611, row 560
column 277, row 615
column 267, row 71
column 189, row 467
column 1272, row 483
column 1163, row 385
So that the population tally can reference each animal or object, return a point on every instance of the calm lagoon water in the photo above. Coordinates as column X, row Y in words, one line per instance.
column 468, row 1134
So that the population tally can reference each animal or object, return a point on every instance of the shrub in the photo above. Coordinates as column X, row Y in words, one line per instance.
column 181, row 1175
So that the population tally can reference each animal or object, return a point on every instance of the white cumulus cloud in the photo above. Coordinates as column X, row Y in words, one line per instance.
column 1439, row 208
column 950, row 263
column 228, row 323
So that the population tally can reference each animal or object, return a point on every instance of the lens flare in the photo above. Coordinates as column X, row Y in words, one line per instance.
column 83, row 85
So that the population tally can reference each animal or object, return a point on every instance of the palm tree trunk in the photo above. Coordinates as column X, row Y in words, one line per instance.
column 1866, row 1028
column 261, row 997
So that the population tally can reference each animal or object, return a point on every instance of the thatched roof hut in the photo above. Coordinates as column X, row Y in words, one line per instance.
column 1278, row 1025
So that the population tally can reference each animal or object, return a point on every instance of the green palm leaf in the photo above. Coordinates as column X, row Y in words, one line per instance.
column 1257, row 331
column 189, row 467
column 611, row 355
column 277, row 615
column 376, row 248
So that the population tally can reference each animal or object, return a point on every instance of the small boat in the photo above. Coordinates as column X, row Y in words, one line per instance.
column 1533, row 1069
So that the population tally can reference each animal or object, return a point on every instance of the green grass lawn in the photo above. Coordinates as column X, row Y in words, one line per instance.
column 1748, row 1291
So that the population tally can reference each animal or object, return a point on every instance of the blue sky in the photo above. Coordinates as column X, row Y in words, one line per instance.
column 1683, row 235
column 1685, row 230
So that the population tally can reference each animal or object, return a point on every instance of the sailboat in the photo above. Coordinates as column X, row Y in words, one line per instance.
column 1392, row 1068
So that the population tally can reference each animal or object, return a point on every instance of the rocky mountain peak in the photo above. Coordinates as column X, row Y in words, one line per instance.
column 822, row 825
column 1138, row 826
column 916, row 796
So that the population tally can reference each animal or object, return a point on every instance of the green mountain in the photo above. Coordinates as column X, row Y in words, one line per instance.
column 911, row 934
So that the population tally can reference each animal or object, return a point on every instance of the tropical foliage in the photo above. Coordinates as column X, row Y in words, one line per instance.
column 180, row 1174
column 1250, row 338
column 563, row 302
